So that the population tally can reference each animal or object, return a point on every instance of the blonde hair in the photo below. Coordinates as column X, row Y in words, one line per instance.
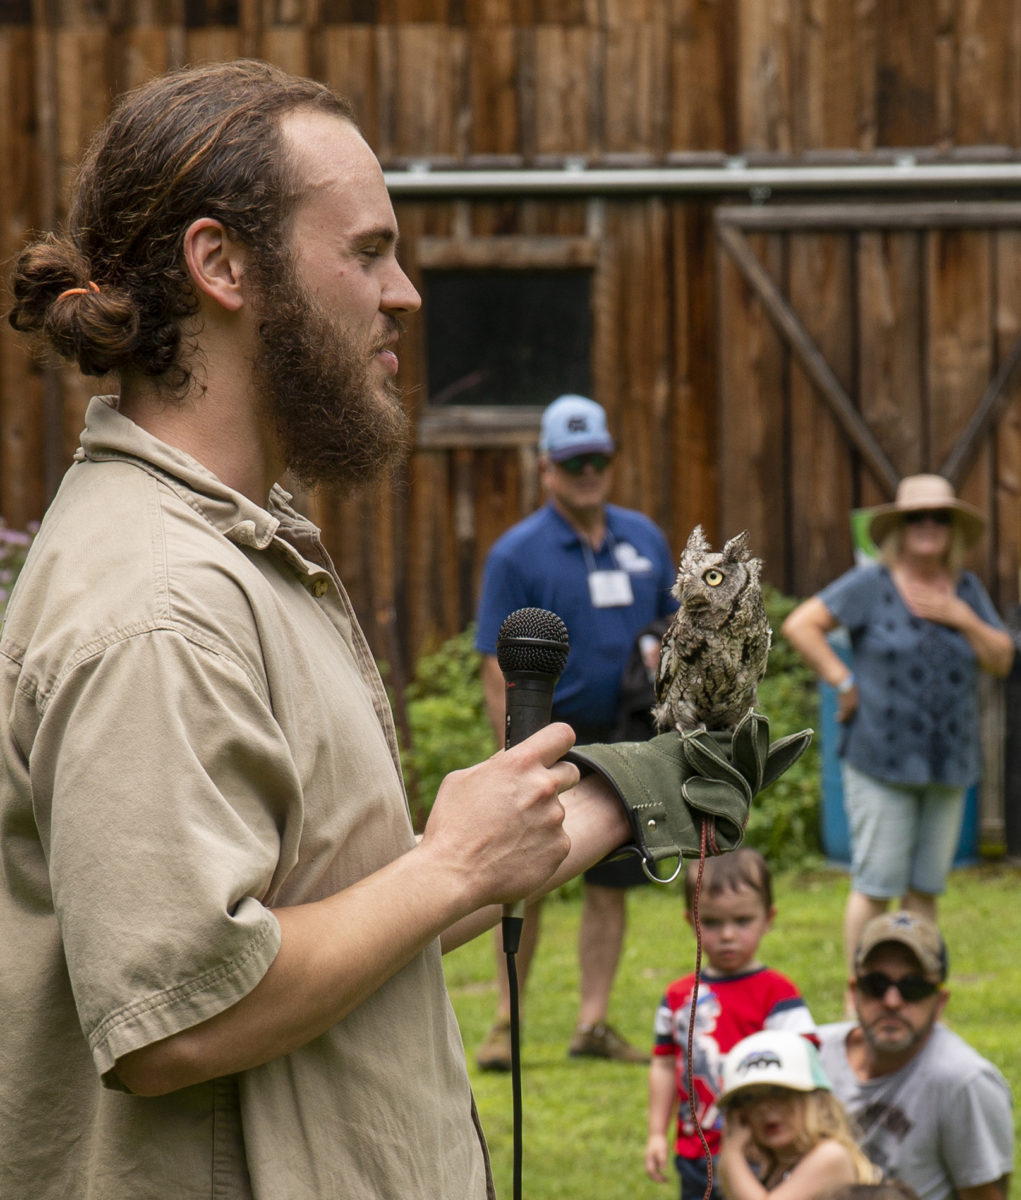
column 823, row 1117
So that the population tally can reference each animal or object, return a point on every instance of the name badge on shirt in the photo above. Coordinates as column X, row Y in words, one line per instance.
column 610, row 589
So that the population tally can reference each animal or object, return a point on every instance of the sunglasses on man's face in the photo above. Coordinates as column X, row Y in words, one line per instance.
column 912, row 988
column 939, row 516
column 578, row 462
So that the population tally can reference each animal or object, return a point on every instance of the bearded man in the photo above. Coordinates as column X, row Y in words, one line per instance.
column 220, row 963
column 931, row 1110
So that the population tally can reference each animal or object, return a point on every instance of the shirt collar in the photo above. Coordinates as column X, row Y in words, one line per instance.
column 109, row 435
column 569, row 536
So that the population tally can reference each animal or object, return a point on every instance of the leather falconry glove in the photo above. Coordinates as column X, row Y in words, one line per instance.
column 671, row 783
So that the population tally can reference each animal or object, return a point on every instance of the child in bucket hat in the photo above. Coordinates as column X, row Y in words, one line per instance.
column 784, row 1131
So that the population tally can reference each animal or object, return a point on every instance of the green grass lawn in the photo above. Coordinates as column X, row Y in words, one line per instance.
column 584, row 1121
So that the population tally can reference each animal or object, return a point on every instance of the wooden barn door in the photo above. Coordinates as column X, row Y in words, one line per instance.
column 858, row 344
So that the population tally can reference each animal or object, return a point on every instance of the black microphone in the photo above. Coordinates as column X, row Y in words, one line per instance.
column 531, row 649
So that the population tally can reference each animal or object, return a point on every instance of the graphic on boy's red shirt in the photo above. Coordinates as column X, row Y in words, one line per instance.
column 706, row 1065
column 727, row 1010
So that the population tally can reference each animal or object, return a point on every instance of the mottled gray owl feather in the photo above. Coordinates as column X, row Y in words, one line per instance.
column 715, row 649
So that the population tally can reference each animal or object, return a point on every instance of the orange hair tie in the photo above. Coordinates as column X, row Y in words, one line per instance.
column 93, row 287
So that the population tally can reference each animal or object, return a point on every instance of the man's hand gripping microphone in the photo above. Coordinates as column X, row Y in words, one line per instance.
column 531, row 649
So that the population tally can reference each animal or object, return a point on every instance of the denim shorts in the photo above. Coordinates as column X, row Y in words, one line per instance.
column 694, row 1177
column 903, row 835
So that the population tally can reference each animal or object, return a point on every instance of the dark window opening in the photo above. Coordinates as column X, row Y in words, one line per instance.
column 507, row 337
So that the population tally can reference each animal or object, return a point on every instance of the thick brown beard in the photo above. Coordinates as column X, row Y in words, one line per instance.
column 335, row 426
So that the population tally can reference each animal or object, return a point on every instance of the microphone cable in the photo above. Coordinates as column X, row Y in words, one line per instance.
column 515, row 1035
column 531, row 650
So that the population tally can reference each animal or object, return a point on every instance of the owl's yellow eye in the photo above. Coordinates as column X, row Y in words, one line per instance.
column 713, row 577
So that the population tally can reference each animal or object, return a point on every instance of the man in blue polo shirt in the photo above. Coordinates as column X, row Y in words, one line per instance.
column 607, row 572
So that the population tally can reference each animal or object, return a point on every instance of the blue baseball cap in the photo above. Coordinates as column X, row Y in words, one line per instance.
column 574, row 425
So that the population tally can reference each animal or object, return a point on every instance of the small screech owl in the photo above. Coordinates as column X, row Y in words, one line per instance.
column 715, row 649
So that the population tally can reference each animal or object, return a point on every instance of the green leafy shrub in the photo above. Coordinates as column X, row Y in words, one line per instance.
column 446, row 719
column 784, row 821
column 448, row 729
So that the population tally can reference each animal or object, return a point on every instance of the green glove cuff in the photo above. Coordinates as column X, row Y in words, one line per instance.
column 669, row 784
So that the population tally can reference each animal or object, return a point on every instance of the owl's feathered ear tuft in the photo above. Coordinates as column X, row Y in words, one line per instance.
column 698, row 544
column 754, row 569
column 736, row 550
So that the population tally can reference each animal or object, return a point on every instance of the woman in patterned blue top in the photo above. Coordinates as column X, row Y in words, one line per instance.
column 920, row 629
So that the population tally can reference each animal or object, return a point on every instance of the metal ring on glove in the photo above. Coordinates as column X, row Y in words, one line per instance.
column 656, row 879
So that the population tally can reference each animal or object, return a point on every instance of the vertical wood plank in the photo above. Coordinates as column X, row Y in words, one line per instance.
column 561, row 12
column 493, row 108
column 417, row 12
column 961, row 356
column 563, row 98
column 947, row 69
column 764, row 75
column 906, row 73
column 633, row 112
column 287, row 47
column 867, row 77
column 702, row 89
column 693, row 480
column 22, row 448
column 83, row 90
column 820, row 465
column 351, row 68
column 608, row 336
column 427, row 88
column 987, row 79
column 147, row 51
column 480, row 13
column 829, row 111
column 890, row 368
column 637, row 404
column 214, row 43
column 1006, row 509
column 753, row 374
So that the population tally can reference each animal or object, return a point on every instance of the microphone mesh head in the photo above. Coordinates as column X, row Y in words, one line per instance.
column 533, row 639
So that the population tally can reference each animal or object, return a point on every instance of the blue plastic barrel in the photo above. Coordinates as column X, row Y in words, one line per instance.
column 836, row 841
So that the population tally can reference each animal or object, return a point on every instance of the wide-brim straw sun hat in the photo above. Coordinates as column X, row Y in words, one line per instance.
column 917, row 493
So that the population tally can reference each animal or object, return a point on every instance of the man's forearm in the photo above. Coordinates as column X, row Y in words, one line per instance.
column 495, row 835
column 333, row 955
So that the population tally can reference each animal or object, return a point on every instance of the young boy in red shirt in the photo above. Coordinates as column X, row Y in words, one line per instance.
column 737, row 996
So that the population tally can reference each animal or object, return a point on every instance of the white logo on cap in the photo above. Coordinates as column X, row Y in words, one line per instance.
column 759, row 1060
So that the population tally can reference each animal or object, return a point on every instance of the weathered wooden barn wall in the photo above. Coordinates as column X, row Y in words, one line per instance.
column 915, row 308
column 719, row 419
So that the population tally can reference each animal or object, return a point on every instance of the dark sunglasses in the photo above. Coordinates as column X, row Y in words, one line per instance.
column 578, row 462
column 912, row 988
column 940, row 516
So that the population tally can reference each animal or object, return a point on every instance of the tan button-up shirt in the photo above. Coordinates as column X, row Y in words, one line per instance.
column 193, row 731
